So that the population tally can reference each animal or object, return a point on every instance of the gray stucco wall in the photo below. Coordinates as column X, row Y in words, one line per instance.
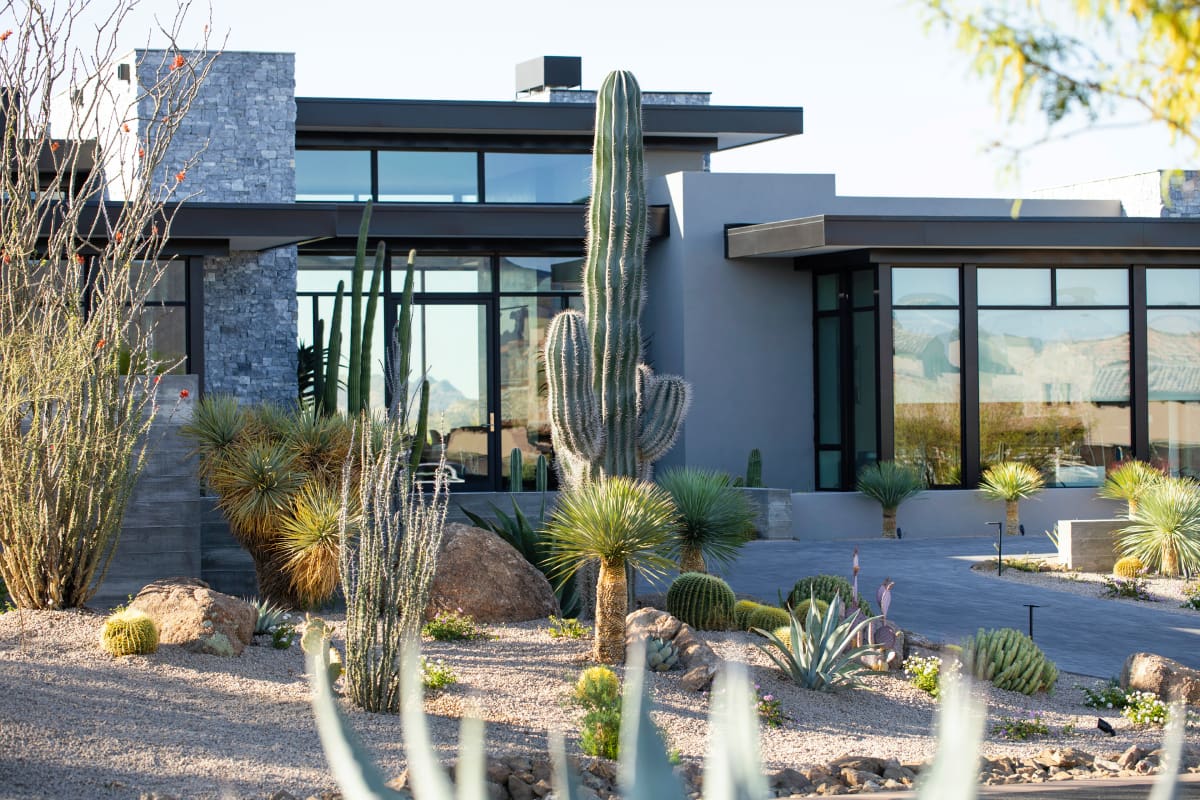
column 942, row 513
column 243, row 125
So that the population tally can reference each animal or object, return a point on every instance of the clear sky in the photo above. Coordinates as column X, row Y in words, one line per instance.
column 890, row 107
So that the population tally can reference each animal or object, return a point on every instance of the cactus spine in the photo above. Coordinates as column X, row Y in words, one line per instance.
column 703, row 601
column 1010, row 660
column 610, row 415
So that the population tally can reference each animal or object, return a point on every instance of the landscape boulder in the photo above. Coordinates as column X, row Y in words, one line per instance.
column 698, row 660
column 189, row 613
column 480, row 574
column 1168, row 679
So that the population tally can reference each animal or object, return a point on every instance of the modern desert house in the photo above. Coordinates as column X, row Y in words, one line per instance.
column 827, row 331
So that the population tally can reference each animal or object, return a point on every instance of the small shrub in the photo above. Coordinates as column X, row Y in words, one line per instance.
column 1023, row 564
column 1110, row 695
column 453, row 626
column 1144, row 709
column 703, row 601
column 600, row 733
column 922, row 672
column 1129, row 567
column 283, row 636
column 129, row 632
column 1018, row 730
column 597, row 688
column 1191, row 596
column 1132, row 589
column 768, row 618
column 435, row 675
column 569, row 628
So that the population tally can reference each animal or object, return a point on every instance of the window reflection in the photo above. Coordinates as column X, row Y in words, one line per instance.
column 926, row 370
column 418, row 176
column 333, row 175
column 525, row 423
column 1173, row 344
column 537, row 177
column 1054, row 391
column 541, row 274
column 444, row 273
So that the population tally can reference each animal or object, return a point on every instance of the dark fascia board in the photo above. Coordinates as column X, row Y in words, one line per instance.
column 730, row 126
column 829, row 233
column 263, row 226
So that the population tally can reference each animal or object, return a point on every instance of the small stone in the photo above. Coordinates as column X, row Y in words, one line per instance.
column 863, row 763
column 857, row 778
column 542, row 788
column 892, row 784
column 1131, row 757
column 1106, row 765
column 282, row 794
column 498, row 771
column 519, row 789
column 1062, row 776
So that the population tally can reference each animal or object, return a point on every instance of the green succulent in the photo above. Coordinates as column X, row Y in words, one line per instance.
column 819, row 654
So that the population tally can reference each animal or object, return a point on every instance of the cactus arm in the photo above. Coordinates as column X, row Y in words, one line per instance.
column 353, row 387
column 368, row 328
column 422, row 433
column 332, row 365
column 664, row 403
column 573, row 411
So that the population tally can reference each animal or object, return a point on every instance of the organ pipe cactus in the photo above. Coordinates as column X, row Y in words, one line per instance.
column 610, row 414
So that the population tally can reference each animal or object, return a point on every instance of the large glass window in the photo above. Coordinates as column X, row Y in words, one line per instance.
column 423, row 176
column 435, row 273
column 333, row 175
column 926, row 372
column 541, row 274
column 537, row 177
column 1054, row 391
column 1173, row 372
column 164, row 318
column 1014, row 287
column 1173, row 287
column 524, row 420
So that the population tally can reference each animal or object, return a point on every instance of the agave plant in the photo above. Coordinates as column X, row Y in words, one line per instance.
column 819, row 655
column 889, row 484
column 617, row 522
column 1011, row 481
column 1164, row 530
column 714, row 517
column 1129, row 482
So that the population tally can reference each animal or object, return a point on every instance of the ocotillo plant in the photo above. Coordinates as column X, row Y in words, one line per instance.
column 610, row 415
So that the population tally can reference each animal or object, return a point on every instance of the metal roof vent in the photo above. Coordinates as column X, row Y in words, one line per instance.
column 549, row 72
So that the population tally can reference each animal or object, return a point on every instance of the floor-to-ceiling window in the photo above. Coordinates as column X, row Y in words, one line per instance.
column 1173, row 369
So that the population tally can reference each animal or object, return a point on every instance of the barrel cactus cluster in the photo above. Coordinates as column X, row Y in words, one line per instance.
column 703, row 601
column 129, row 632
column 1009, row 660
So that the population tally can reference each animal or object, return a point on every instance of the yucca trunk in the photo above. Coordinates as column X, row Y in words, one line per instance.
column 1012, row 523
column 274, row 583
column 1169, row 568
column 889, row 523
column 611, row 607
column 691, row 559
column 1131, row 506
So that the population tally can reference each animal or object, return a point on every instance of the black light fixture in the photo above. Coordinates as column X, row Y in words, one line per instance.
column 1104, row 727
column 1031, row 607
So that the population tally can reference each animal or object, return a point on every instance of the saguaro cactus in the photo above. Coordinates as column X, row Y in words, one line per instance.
column 610, row 414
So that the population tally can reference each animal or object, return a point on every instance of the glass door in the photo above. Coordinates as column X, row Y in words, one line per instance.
column 450, row 346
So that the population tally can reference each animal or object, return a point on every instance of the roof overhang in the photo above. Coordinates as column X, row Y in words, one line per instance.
column 718, row 127
column 832, row 233
column 210, row 228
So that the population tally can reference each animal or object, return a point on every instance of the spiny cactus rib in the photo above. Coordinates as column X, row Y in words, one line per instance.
column 664, row 404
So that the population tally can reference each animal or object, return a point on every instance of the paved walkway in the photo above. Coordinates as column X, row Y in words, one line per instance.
column 937, row 595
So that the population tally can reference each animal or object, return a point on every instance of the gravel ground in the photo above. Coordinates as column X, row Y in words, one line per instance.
column 1167, row 593
column 77, row 723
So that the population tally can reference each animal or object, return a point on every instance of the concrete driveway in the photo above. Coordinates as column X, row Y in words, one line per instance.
column 937, row 594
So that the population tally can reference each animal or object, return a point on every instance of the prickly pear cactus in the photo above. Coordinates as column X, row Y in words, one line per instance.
column 661, row 656
column 129, row 633
column 610, row 414
column 703, row 601
column 1010, row 660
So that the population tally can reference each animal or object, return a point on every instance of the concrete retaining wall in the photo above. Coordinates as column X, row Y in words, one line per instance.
column 942, row 513
column 1089, row 544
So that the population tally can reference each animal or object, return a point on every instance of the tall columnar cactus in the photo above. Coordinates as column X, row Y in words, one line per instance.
column 754, row 469
column 516, row 468
column 541, row 477
column 610, row 414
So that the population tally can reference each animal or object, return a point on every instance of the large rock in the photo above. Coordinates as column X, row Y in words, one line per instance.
column 699, row 662
column 480, row 574
column 191, row 614
column 1168, row 679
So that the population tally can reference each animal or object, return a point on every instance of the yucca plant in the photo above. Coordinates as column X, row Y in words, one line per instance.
column 1164, row 531
column 308, row 537
column 616, row 522
column 818, row 655
column 714, row 517
column 217, row 422
column 1129, row 482
column 1011, row 481
column 889, row 484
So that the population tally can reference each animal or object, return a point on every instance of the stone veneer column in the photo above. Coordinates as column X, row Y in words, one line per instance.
column 244, row 120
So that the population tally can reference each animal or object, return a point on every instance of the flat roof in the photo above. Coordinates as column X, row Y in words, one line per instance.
column 719, row 127
column 210, row 228
column 833, row 233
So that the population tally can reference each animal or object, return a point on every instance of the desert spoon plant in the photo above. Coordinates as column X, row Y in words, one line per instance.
column 1164, row 530
column 1011, row 481
column 1129, row 482
column 889, row 484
